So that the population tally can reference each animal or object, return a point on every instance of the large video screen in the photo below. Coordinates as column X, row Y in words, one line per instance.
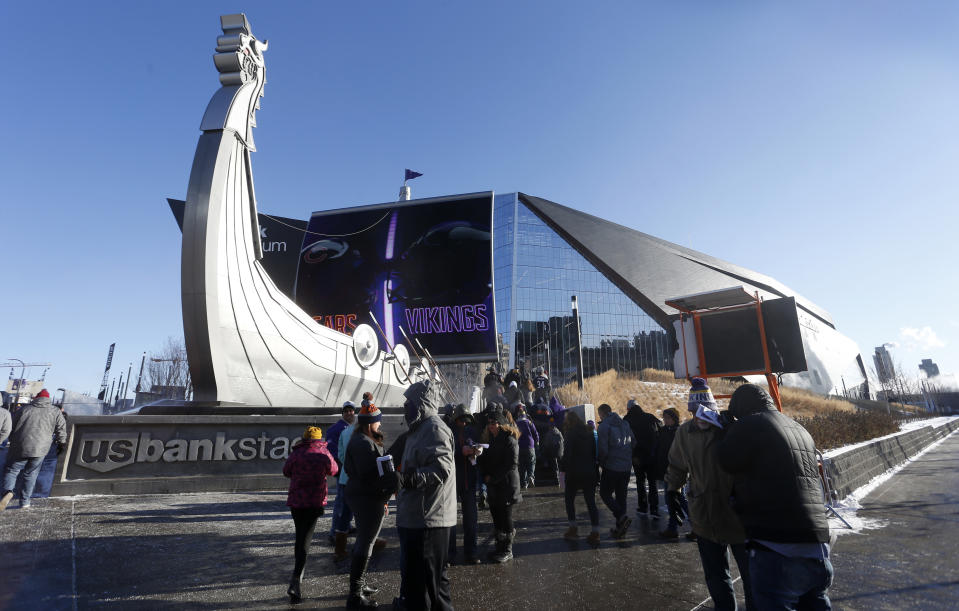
column 423, row 265
column 731, row 339
column 731, row 342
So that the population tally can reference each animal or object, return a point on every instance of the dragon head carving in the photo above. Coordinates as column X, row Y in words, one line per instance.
column 239, row 60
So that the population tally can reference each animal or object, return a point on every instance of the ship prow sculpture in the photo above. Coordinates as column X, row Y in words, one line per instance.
column 248, row 343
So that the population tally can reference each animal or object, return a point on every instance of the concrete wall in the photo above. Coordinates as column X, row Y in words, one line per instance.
column 855, row 468
column 154, row 454
column 177, row 453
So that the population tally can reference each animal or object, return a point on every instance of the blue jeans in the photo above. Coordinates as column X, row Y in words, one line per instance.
column 612, row 489
column 342, row 516
column 30, row 468
column 780, row 582
column 527, row 466
column 715, row 559
column 589, row 494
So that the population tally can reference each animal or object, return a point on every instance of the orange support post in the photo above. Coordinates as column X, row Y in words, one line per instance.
column 774, row 390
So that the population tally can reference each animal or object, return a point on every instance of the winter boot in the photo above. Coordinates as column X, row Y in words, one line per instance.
column 504, row 548
column 495, row 552
column 670, row 532
column 593, row 538
column 622, row 526
column 359, row 597
column 294, row 590
column 339, row 552
column 572, row 533
column 358, row 600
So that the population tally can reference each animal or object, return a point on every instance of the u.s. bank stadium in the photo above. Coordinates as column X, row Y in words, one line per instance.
column 543, row 253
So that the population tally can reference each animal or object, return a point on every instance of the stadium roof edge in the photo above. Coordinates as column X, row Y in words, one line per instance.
column 623, row 255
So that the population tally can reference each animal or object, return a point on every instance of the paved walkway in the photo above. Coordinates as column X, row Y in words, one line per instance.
column 912, row 561
column 215, row 551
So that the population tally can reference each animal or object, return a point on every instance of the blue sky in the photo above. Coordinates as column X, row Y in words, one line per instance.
column 815, row 142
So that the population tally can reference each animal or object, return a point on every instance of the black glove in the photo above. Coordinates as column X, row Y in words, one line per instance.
column 408, row 480
column 727, row 418
column 389, row 482
column 672, row 501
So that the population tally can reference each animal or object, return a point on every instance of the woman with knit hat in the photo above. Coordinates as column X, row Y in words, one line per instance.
column 372, row 482
column 308, row 466
column 499, row 467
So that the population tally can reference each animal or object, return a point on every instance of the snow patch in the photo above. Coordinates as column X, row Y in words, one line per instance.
column 912, row 425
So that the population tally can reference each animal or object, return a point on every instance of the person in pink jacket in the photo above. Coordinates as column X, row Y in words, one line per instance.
column 308, row 466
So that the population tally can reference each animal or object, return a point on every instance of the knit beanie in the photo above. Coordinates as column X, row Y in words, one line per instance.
column 369, row 413
column 42, row 393
column 497, row 415
column 313, row 432
column 699, row 394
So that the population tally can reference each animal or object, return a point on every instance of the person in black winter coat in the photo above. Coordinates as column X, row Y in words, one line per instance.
column 645, row 427
column 499, row 468
column 779, row 499
column 367, row 492
column 675, row 502
column 579, row 465
column 465, row 440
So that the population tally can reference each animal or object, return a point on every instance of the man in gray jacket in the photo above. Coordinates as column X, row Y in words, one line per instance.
column 5, row 424
column 34, row 427
column 615, row 446
column 426, row 503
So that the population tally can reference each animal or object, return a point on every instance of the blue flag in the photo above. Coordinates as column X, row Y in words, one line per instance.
column 410, row 174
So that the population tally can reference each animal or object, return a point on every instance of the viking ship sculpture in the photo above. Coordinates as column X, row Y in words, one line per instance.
column 248, row 343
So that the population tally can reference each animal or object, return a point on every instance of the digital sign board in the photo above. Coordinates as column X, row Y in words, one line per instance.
column 423, row 265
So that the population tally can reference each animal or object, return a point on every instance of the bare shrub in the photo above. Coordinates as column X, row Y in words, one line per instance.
column 840, row 428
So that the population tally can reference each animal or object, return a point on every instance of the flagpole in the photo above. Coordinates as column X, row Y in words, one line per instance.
column 405, row 189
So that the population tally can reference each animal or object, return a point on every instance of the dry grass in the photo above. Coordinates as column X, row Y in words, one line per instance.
column 657, row 390
column 842, row 428
column 832, row 422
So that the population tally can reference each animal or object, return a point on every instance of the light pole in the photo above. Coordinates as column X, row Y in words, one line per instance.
column 579, row 343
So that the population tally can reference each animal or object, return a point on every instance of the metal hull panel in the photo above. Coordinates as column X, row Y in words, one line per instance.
column 246, row 341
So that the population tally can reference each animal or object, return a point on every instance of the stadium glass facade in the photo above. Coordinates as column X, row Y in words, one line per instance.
column 536, row 273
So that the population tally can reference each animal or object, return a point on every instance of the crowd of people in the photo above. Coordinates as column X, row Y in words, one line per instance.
column 745, row 479
column 30, row 431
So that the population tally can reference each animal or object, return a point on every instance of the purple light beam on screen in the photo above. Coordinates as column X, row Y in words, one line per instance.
column 388, row 284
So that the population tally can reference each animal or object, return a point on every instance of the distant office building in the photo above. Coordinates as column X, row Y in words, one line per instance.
column 884, row 367
column 931, row 369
